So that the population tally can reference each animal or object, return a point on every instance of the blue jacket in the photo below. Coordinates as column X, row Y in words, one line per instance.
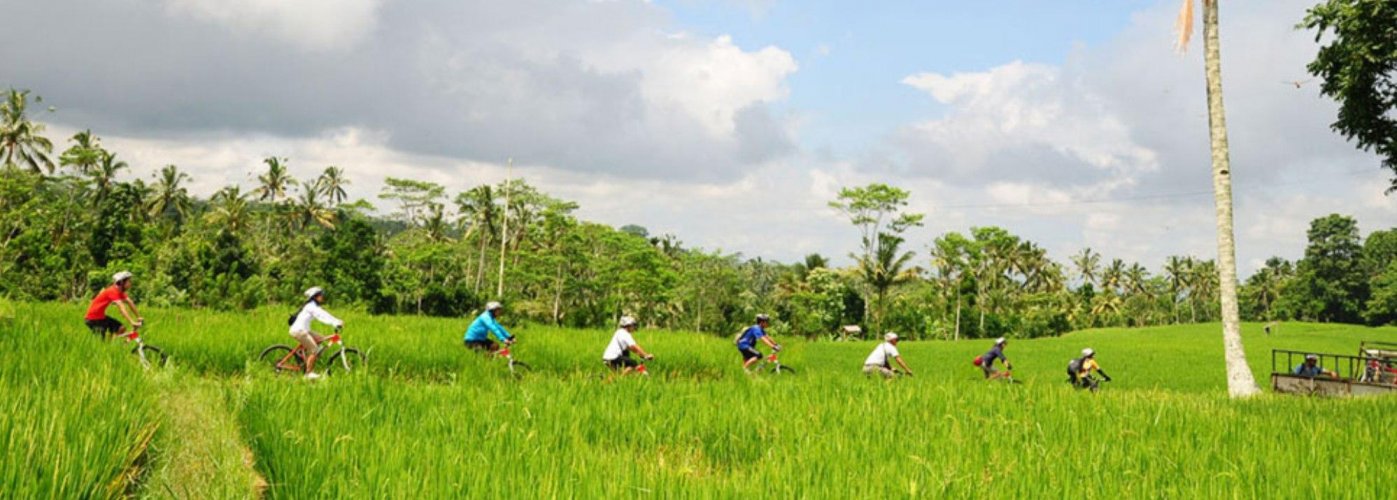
column 483, row 325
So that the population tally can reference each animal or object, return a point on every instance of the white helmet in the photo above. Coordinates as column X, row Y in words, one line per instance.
column 493, row 306
column 121, row 276
column 1088, row 352
column 890, row 336
column 627, row 321
column 313, row 291
column 1000, row 341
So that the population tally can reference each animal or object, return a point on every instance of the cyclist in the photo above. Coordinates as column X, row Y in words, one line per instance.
column 97, row 319
column 618, row 352
column 881, row 359
column 996, row 352
column 747, row 341
column 300, row 328
column 1311, row 368
column 1079, row 371
column 478, row 334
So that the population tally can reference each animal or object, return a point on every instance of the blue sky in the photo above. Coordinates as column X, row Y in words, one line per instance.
column 853, row 55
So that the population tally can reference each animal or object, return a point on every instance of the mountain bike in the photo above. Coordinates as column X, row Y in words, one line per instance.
column 148, row 354
column 515, row 366
column 772, row 363
column 284, row 357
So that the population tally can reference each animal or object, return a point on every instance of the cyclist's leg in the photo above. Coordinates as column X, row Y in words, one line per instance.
column 750, row 356
column 313, row 353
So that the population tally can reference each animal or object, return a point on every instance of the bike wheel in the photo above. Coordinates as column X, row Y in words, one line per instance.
column 518, row 367
column 783, row 370
column 272, row 355
column 149, row 355
column 346, row 360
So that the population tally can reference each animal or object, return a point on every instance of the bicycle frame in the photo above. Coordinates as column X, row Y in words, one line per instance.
column 299, row 352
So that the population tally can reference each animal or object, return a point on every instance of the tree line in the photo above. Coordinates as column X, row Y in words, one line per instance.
column 71, row 218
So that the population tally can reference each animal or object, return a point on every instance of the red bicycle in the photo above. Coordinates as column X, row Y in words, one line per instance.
column 285, row 357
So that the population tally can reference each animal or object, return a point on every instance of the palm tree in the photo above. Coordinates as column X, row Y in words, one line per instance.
column 22, row 141
column 434, row 223
column 1113, row 277
column 479, row 214
column 951, row 263
column 1240, row 382
column 332, row 183
column 1176, row 270
column 275, row 182
column 230, row 211
column 884, row 270
column 85, row 153
column 309, row 209
column 170, row 193
column 105, row 173
column 1087, row 263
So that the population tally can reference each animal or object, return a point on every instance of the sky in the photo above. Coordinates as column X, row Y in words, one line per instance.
column 728, row 123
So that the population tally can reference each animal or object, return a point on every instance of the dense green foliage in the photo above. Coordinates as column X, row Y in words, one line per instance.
column 1359, row 68
column 63, row 233
column 429, row 419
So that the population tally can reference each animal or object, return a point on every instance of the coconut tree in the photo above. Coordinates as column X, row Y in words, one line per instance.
column 230, row 212
column 1176, row 270
column 1240, row 382
column 170, row 193
column 85, row 153
column 332, row 183
column 105, row 174
column 275, row 183
column 309, row 209
column 1088, row 263
column 22, row 141
column 884, row 270
column 479, row 214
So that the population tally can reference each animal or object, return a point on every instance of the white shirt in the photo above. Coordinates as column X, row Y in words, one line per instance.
column 621, row 341
column 882, row 355
column 313, row 310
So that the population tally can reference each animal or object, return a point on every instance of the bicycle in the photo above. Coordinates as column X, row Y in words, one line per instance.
column 515, row 366
column 772, row 363
column 148, row 354
column 346, row 359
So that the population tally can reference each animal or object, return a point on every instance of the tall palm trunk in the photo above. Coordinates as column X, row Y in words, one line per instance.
column 1240, row 382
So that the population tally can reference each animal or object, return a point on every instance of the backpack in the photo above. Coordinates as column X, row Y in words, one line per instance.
column 979, row 360
column 291, row 320
column 738, row 339
column 1074, row 367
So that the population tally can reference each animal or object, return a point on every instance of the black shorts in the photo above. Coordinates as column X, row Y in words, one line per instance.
column 625, row 361
column 482, row 345
column 104, row 326
column 749, row 353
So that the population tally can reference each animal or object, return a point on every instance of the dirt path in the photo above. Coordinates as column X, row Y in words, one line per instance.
column 199, row 452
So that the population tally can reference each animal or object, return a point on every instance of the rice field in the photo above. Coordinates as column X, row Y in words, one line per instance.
column 427, row 419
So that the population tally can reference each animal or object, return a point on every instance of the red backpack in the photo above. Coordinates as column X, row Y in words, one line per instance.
column 979, row 360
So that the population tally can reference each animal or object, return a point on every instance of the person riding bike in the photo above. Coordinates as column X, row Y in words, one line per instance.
column 880, row 360
column 996, row 352
column 747, row 341
column 478, row 334
column 97, row 319
column 618, row 352
column 1079, row 371
column 301, row 323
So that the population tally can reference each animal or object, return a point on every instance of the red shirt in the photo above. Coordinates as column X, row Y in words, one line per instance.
column 98, row 309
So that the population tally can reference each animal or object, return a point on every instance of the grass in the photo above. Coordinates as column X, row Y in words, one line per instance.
column 428, row 419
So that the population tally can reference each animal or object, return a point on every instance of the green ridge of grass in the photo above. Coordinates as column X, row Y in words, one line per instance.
column 199, row 451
